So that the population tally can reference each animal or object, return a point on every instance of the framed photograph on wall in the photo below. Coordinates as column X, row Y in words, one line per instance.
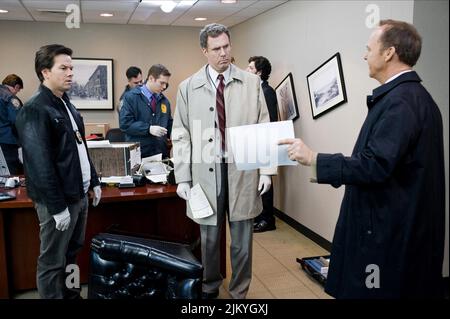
column 326, row 86
column 287, row 100
column 92, row 86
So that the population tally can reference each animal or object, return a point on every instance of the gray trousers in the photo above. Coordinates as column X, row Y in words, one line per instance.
column 59, row 249
column 240, row 249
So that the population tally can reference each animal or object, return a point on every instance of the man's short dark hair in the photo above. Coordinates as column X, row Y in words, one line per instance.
column 132, row 72
column 404, row 38
column 212, row 30
column 13, row 80
column 261, row 65
column 45, row 57
column 156, row 70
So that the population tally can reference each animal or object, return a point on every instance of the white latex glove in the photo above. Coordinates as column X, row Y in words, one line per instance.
column 97, row 195
column 264, row 184
column 62, row 220
column 184, row 190
column 157, row 131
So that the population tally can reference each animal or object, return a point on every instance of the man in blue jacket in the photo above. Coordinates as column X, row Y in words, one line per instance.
column 145, row 115
column 134, row 77
column 389, row 238
column 10, row 105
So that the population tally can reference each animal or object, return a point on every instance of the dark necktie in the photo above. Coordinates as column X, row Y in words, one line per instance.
column 220, row 105
column 153, row 103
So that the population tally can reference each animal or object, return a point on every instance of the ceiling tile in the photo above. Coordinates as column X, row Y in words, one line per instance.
column 216, row 8
column 15, row 11
column 121, row 9
column 41, row 10
column 136, row 12
column 147, row 13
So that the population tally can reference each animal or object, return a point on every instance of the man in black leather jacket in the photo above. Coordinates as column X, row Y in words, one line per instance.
column 58, row 171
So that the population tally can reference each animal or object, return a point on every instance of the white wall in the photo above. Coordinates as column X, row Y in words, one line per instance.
column 433, row 68
column 297, row 37
column 175, row 47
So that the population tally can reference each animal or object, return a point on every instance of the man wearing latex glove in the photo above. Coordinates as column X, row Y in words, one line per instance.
column 391, row 225
column 145, row 114
column 218, row 96
column 58, row 170
column 184, row 191
column 97, row 195
column 157, row 131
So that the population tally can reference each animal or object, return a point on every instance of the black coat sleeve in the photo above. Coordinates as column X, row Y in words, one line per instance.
column 388, row 141
column 271, row 101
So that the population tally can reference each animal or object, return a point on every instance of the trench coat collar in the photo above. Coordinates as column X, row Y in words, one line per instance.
column 380, row 91
column 200, row 78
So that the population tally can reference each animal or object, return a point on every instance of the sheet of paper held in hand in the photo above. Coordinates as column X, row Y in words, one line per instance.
column 256, row 146
column 198, row 203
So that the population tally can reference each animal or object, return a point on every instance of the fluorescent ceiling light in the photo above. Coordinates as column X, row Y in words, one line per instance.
column 228, row 1
column 3, row 11
column 106, row 14
column 200, row 19
column 168, row 6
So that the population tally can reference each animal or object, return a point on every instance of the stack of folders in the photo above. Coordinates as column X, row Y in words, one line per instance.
column 319, row 264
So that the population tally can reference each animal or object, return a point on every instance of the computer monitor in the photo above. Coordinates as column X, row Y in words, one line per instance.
column 4, row 170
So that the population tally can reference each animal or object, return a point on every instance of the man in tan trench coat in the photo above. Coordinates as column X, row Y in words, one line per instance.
column 220, row 95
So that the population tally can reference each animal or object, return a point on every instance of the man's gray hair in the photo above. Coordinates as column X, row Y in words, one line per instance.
column 212, row 30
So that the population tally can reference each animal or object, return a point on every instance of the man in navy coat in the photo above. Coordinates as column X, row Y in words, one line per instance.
column 389, row 237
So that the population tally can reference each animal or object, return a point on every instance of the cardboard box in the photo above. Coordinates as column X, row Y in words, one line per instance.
column 99, row 129
column 117, row 159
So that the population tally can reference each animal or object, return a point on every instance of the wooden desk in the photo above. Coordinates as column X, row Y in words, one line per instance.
column 152, row 210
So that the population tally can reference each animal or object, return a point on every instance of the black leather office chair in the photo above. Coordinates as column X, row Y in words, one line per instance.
column 115, row 135
column 131, row 267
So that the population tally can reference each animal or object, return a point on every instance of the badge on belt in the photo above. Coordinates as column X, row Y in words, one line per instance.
column 163, row 108
column 78, row 137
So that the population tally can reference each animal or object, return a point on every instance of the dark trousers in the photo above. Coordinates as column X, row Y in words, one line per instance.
column 11, row 153
column 267, row 213
column 59, row 249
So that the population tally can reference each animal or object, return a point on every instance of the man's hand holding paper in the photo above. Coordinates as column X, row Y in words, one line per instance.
column 256, row 146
